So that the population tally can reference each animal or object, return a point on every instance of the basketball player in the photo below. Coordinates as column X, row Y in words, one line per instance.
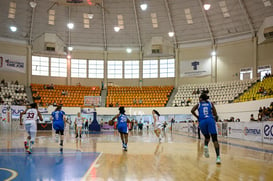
column 122, row 127
column 58, row 118
column 79, row 122
column 158, row 125
column 32, row 114
column 207, row 124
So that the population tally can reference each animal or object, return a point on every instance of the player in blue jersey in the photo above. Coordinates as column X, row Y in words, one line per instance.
column 58, row 118
column 122, row 127
column 207, row 113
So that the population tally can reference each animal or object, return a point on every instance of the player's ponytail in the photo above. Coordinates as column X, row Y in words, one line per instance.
column 156, row 112
column 204, row 97
column 58, row 108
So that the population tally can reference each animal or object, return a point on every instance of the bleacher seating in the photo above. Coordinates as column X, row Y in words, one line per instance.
column 220, row 93
column 13, row 94
column 150, row 96
column 73, row 97
column 254, row 94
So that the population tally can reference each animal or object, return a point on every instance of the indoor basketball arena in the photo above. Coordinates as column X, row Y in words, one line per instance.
column 136, row 90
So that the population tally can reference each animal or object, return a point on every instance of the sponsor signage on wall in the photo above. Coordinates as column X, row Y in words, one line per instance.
column 92, row 100
column 15, row 111
column 195, row 68
column 235, row 130
column 12, row 63
column 253, row 131
column 268, row 132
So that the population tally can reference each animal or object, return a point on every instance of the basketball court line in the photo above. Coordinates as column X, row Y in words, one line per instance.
column 91, row 167
column 234, row 144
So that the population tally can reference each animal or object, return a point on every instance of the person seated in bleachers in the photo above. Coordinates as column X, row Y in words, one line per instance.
column 182, row 101
column 188, row 101
column 252, row 118
column 117, row 104
column 63, row 92
column 140, row 101
column 54, row 103
column 175, row 105
column 111, row 104
column 3, row 81
column 16, row 82
column 198, row 91
column 194, row 92
column 134, row 101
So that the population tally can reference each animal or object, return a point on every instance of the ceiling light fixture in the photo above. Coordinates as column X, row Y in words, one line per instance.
column 143, row 6
column 70, row 25
column 90, row 15
column 32, row 4
column 116, row 28
column 68, row 56
column 13, row 28
column 206, row 5
column 213, row 53
column 129, row 50
column 70, row 48
column 171, row 34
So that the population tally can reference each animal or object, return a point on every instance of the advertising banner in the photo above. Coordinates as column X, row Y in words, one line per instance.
column 12, row 63
column 253, row 131
column 235, row 130
column 195, row 68
column 15, row 111
column 267, row 132
column 219, row 128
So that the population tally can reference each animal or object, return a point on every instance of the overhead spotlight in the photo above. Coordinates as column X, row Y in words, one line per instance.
column 206, row 5
column 70, row 25
column 70, row 48
column 171, row 34
column 116, row 28
column 32, row 4
column 143, row 6
column 213, row 53
column 90, row 16
column 68, row 56
column 13, row 28
column 129, row 50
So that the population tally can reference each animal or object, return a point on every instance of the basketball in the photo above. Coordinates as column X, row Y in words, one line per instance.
column 111, row 122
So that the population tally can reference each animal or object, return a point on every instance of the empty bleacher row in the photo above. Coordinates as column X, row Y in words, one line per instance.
column 261, row 90
column 150, row 96
column 68, row 96
column 12, row 94
column 220, row 93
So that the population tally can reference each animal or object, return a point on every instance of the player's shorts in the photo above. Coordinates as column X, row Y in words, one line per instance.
column 122, row 128
column 207, row 126
column 31, row 128
column 158, row 126
column 58, row 126
column 79, row 125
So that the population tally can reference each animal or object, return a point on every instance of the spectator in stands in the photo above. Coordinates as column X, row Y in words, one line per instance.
column 270, row 92
column 198, row 91
column 16, row 82
column 194, row 92
column 111, row 104
column 63, row 92
column 102, row 85
column 252, row 118
column 134, row 101
column 117, row 104
column 3, row 81
column 175, row 105
column 140, row 101
column 188, row 101
column 54, row 103
column 238, row 120
column 182, row 101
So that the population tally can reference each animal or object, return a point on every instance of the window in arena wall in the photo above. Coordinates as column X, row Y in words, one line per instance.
column 58, row 67
column 78, row 68
column 95, row 69
column 167, row 68
column 246, row 73
column 40, row 66
column 131, row 69
column 150, row 69
column 114, row 69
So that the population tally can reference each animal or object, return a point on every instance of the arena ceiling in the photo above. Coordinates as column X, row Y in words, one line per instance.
column 187, row 18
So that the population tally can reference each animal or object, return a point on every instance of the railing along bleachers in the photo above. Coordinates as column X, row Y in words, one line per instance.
column 149, row 96
column 256, row 93
column 220, row 93
column 68, row 96
column 13, row 94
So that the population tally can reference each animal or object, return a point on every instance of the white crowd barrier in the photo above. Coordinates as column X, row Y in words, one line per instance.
column 251, row 131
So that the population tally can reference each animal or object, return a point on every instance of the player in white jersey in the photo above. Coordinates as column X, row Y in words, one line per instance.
column 79, row 122
column 158, row 125
column 31, row 116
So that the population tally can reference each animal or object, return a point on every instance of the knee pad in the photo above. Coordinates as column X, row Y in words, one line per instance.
column 214, row 137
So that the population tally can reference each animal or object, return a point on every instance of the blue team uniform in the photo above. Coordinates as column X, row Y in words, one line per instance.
column 58, row 122
column 206, row 121
column 122, row 123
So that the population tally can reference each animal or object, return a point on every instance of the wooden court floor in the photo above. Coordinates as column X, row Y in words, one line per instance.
column 100, row 157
